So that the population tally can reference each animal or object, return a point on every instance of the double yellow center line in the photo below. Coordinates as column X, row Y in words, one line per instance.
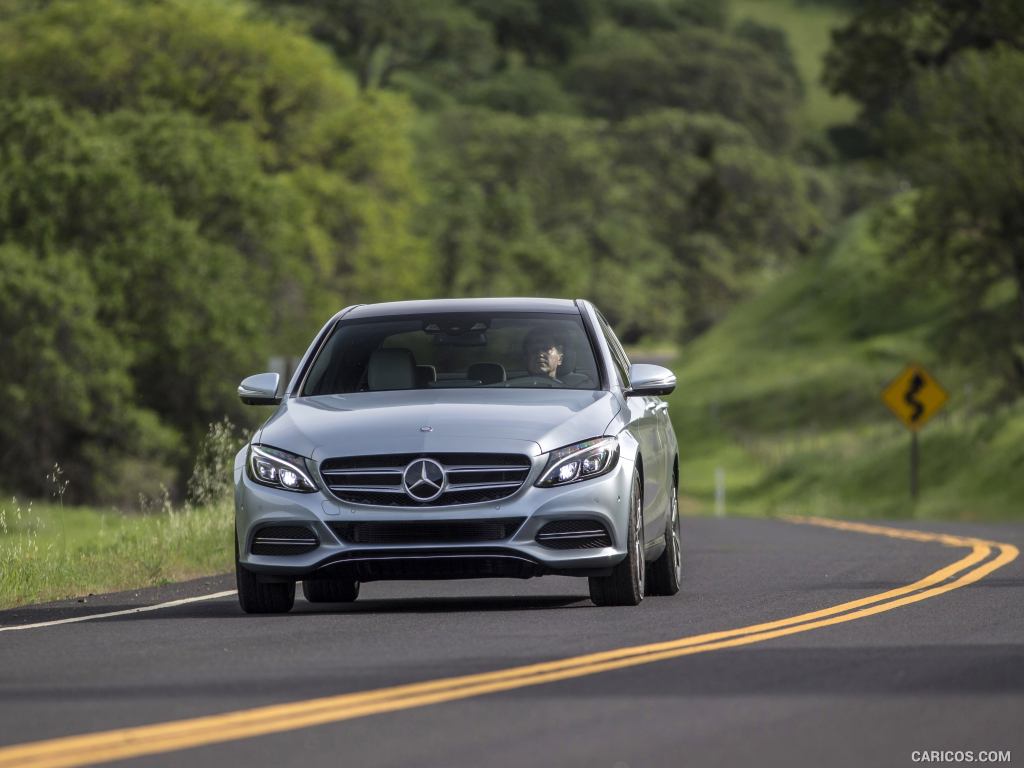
column 984, row 558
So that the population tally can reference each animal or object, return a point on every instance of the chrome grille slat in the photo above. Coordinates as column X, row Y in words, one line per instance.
column 488, row 469
column 368, row 488
column 367, row 471
column 377, row 480
column 481, row 486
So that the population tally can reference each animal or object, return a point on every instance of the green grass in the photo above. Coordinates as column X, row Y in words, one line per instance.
column 48, row 552
column 784, row 395
column 808, row 26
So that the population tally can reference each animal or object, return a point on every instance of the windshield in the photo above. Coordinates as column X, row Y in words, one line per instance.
column 517, row 350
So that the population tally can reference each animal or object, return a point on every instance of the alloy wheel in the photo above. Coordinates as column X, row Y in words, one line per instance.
column 677, row 550
column 638, row 539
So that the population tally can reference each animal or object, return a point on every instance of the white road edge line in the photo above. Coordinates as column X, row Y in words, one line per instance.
column 140, row 609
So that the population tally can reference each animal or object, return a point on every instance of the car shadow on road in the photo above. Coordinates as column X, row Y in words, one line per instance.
column 228, row 608
column 445, row 604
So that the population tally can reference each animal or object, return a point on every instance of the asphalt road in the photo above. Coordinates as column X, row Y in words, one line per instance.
column 942, row 670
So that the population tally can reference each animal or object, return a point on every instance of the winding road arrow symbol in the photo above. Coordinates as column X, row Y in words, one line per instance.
column 917, row 383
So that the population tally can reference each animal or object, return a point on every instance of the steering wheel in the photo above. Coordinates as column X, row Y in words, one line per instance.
column 534, row 381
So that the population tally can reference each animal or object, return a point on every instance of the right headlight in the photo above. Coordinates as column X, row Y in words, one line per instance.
column 278, row 469
column 580, row 461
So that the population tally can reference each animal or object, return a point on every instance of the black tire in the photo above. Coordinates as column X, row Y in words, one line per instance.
column 256, row 596
column 330, row 590
column 665, row 574
column 625, row 584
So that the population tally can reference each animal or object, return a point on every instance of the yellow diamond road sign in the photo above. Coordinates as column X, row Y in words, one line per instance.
column 914, row 396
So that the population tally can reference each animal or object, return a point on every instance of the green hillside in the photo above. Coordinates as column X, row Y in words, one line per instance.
column 784, row 396
column 808, row 27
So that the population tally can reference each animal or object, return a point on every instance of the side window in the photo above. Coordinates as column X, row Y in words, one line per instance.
column 618, row 354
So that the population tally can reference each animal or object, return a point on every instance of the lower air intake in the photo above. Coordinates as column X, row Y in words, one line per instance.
column 284, row 540
column 574, row 534
column 428, row 531
column 370, row 565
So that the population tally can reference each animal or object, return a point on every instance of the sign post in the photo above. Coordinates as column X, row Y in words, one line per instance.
column 914, row 397
column 914, row 464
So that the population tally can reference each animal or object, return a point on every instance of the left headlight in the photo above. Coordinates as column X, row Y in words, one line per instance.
column 278, row 469
column 580, row 461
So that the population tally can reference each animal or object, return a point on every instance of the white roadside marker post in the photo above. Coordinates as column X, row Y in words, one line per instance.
column 719, row 492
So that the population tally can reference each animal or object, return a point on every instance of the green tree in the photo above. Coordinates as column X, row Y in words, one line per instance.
column 961, row 143
column 66, row 386
column 169, row 220
column 274, row 94
column 541, row 32
column 878, row 55
column 939, row 89
column 624, row 72
column 726, row 209
column 223, row 184
column 379, row 39
column 667, row 209
column 667, row 14
column 523, row 90
column 536, row 206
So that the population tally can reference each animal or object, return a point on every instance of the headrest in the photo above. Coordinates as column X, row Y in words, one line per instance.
column 425, row 375
column 487, row 373
column 392, row 368
column 568, row 361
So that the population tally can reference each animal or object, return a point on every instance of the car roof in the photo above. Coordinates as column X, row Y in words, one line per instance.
column 392, row 308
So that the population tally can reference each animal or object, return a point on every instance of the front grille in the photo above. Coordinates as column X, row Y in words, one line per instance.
column 427, row 531
column 472, row 478
column 284, row 540
column 574, row 534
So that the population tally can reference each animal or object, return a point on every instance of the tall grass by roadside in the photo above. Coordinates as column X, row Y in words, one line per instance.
column 49, row 552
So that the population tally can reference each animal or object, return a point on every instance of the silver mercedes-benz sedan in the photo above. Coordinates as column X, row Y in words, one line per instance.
column 458, row 439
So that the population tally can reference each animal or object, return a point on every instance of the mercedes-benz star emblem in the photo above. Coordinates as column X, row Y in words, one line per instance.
column 423, row 479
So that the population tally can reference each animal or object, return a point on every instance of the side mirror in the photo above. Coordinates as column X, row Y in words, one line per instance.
column 260, row 389
column 648, row 379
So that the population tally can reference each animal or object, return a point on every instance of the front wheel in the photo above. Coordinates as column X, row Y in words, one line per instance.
column 625, row 584
column 666, row 573
column 256, row 596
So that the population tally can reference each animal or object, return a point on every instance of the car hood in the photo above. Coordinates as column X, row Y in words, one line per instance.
column 529, row 421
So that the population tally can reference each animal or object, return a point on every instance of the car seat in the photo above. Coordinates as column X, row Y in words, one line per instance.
column 391, row 368
column 425, row 376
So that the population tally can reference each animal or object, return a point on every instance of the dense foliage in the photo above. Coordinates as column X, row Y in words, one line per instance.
column 187, row 189
column 939, row 85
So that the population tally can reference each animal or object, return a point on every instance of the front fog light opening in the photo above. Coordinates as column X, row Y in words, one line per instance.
column 580, row 461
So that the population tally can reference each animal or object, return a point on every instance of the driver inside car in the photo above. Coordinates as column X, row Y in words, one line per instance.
column 544, row 352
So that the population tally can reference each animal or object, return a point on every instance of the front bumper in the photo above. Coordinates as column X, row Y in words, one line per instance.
column 604, row 499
